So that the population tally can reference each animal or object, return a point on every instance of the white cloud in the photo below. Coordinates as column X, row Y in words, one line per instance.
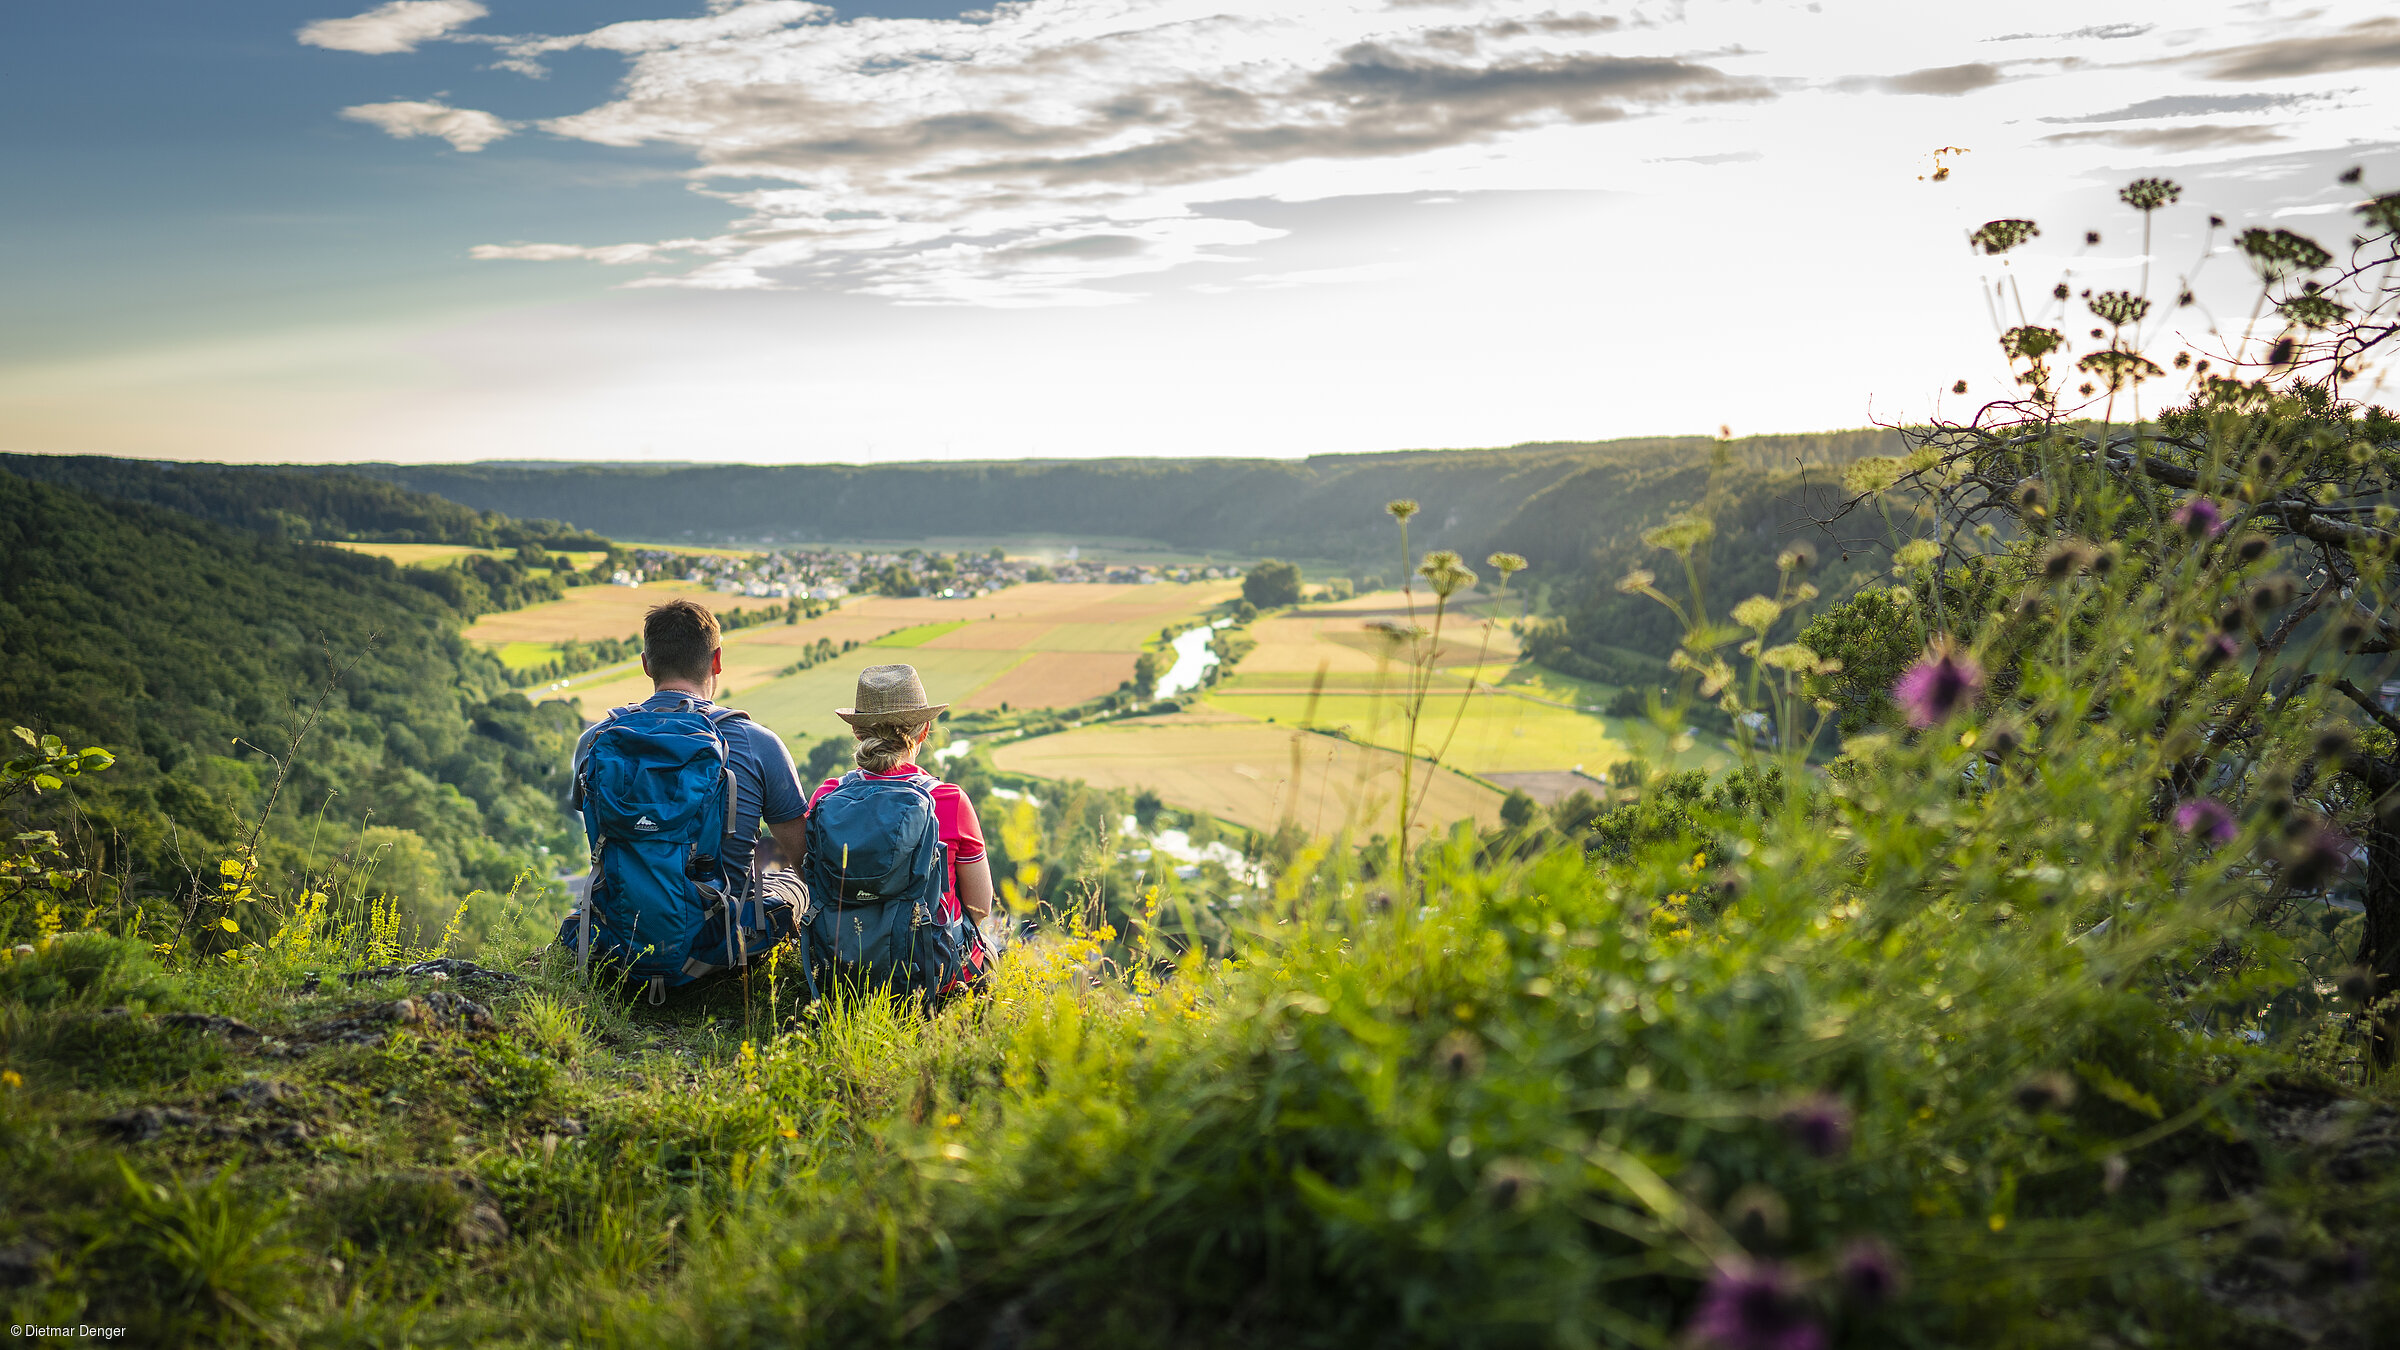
column 615, row 255
column 395, row 27
column 1060, row 151
column 467, row 129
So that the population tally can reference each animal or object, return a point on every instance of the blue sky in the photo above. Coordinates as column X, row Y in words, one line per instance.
column 768, row 230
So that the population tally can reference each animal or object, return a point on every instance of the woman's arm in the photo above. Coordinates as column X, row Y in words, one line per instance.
column 975, row 888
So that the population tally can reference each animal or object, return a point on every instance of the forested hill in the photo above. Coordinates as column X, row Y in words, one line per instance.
column 1552, row 502
column 168, row 638
column 297, row 503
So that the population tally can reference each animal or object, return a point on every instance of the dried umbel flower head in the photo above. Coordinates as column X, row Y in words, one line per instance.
column 1400, row 508
column 2200, row 518
column 1800, row 557
column 1447, row 574
column 1506, row 564
column 2066, row 559
column 1751, row 1305
column 1937, row 686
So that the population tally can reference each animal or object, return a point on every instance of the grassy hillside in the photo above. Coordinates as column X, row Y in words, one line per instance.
column 192, row 648
column 296, row 504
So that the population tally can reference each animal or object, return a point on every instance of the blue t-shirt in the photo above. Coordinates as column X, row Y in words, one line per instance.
column 766, row 784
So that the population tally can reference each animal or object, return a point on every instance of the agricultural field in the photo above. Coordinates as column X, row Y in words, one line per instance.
column 1249, row 772
column 415, row 555
column 1318, row 671
column 1031, row 646
column 1322, row 666
column 439, row 555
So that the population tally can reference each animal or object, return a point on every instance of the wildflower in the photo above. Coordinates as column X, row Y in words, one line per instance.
column 2066, row 560
column 2200, row 518
column 1821, row 1124
column 2358, row 985
column 2045, row 1092
column 1507, row 564
column 1755, row 1306
column 2320, row 859
column 2206, row 818
column 1401, row 509
column 1938, row 685
column 1460, row 1054
column 2217, row 651
column 1798, row 558
column 1870, row 1271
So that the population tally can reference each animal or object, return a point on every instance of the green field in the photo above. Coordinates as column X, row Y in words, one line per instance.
column 919, row 634
column 1497, row 732
column 800, row 707
column 527, row 655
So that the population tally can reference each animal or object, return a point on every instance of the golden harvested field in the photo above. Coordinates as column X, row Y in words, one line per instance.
column 588, row 613
column 1241, row 771
column 1336, row 637
column 1055, row 679
column 416, row 555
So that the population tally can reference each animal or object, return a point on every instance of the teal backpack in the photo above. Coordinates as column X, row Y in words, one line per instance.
column 658, row 801
column 876, row 871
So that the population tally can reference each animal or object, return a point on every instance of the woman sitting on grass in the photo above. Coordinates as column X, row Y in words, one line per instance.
column 888, row 831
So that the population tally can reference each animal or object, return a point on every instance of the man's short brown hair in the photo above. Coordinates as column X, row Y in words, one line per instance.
column 679, row 637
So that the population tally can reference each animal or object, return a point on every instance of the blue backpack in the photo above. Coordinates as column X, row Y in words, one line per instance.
column 658, row 803
column 876, row 871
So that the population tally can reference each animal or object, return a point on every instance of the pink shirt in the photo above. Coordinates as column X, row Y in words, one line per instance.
column 962, row 833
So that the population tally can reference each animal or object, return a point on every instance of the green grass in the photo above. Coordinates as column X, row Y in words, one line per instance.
column 526, row 655
column 918, row 635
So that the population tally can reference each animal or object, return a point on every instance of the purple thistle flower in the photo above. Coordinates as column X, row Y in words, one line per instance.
column 2322, row 857
column 1870, row 1271
column 2218, row 650
column 1938, row 685
column 2206, row 818
column 1821, row 1124
column 1755, row 1307
column 2200, row 518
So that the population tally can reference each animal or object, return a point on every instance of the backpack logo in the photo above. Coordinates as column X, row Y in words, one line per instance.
column 645, row 823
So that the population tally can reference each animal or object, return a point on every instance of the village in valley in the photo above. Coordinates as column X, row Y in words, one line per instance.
column 830, row 574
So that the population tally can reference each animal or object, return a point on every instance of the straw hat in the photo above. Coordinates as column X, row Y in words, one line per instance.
column 890, row 694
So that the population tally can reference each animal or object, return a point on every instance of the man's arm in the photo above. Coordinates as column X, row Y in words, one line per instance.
column 791, row 839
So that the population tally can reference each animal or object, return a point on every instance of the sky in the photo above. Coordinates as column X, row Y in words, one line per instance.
column 778, row 231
